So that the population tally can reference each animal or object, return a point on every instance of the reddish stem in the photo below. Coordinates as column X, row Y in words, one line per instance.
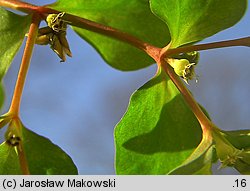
column 151, row 50
column 205, row 123
column 86, row 24
column 227, row 43
column 25, row 7
column 112, row 32
column 22, row 159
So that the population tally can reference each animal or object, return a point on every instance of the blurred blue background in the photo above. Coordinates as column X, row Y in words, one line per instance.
column 78, row 103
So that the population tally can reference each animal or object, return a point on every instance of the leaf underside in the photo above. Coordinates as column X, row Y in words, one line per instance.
column 158, row 131
column 43, row 157
column 9, row 162
column 199, row 162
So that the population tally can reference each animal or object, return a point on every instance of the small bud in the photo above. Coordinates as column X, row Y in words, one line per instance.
column 64, row 43
column 13, row 140
column 183, row 68
column 43, row 40
column 231, row 158
column 43, row 36
column 13, row 133
column 55, row 22
column 57, row 47
column 55, row 35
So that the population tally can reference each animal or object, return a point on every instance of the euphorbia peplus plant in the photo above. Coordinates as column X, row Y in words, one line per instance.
column 151, row 138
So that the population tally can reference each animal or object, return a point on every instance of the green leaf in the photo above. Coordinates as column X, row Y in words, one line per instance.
column 200, row 161
column 44, row 157
column 158, row 131
column 243, row 163
column 12, row 29
column 9, row 162
column 239, row 138
column 133, row 17
column 193, row 20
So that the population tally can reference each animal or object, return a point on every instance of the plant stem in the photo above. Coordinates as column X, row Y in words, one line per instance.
column 16, row 99
column 201, row 117
column 22, row 160
column 228, row 43
column 117, row 34
column 20, row 150
column 15, row 139
column 25, row 7
column 111, row 32
column 155, row 52
column 206, row 124
column 85, row 24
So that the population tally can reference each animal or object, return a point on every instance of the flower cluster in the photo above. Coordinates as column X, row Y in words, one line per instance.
column 55, row 35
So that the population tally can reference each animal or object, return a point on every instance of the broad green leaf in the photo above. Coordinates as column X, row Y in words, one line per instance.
column 158, row 131
column 12, row 30
column 9, row 163
column 133, row 17
column 200, row 161
column 193, row 20
column 206, row 169
column 44, row 157
column 239, row 138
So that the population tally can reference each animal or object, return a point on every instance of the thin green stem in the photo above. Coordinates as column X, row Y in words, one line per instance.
column 222, row 44
column 16, row 99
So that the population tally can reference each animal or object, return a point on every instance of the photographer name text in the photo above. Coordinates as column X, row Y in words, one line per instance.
column 70, row 183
